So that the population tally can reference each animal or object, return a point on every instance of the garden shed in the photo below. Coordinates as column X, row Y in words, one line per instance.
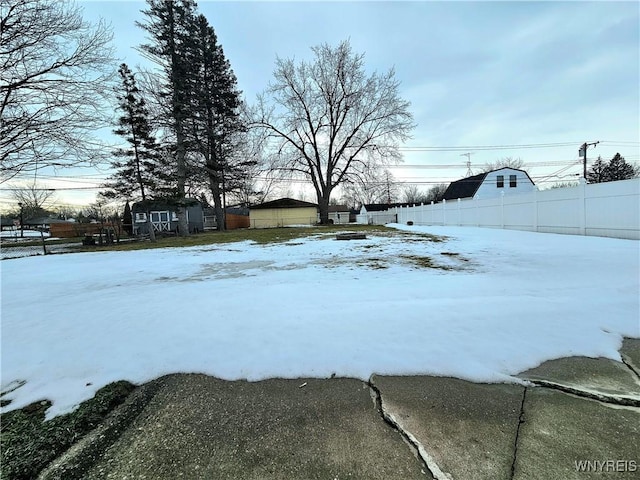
column 164, row 216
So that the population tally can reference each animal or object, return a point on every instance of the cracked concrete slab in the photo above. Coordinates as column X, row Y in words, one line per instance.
column 201, row 427
column 565, row 437
column 630, row 352
column 597, row 375
column 468, row 429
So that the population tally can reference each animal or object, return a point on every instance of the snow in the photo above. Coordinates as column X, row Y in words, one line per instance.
column 15, row 234
column 312, row 307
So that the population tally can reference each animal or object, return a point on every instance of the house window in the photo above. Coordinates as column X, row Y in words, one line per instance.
column 500, row 181
column 512, row 181
column 174, row 216
column 141, row 217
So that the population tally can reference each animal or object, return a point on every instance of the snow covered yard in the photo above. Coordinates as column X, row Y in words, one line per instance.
column 482, row 305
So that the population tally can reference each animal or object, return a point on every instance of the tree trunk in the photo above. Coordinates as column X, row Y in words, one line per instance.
column 214, row 185
column 152, row 233
column 183, row 223
column 323, row 206
column 181, row 174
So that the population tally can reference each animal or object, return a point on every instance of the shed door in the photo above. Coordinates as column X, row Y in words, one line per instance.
column 160, row 221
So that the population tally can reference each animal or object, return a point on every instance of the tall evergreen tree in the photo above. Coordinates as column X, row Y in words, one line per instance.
column 619, row 169
column 169, row 24
column 127, row 219
column 598, row 171
column 215, row 119
column 137, row 165
column 615, row 169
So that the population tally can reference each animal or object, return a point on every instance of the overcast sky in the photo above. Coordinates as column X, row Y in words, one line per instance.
column 476, row 73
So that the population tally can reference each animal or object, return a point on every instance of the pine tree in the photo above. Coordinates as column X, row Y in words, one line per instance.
column 598, row 172
column 215, row 112
column 616, row 169
column 619, row 169
column 127, row 219
column 169, row 24
column 137, row 171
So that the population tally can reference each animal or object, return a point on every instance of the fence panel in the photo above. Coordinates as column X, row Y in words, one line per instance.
column 609, row 209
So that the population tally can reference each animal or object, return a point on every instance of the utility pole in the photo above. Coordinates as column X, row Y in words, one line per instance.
column 583, row 152
column 468, row 155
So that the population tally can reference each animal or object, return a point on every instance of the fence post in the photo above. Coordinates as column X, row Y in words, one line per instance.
column 444, row 211
column 582, row 209
column 535, row 208
column 44, row 246
column 459, row 214
column 502, row 209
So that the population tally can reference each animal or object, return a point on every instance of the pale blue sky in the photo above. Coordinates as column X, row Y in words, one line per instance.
column 476, row 73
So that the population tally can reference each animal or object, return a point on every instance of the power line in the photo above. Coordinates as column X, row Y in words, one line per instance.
column 488, row 147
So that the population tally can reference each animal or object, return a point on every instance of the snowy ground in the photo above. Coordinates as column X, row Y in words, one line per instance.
column 17, row 235
column 504, row 302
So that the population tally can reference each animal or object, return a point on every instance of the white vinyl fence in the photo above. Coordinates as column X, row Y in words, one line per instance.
column 609, row 209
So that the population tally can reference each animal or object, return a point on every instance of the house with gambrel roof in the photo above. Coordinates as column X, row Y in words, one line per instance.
column 491, row 184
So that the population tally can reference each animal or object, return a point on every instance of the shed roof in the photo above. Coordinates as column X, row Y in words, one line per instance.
column 164, row 203
column 283, row 203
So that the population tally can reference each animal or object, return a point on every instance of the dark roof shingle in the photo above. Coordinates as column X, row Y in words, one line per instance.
column 464, row 188
column 283, row 203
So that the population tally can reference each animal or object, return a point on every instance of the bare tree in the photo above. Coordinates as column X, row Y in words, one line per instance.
column 373, row 186
column 436, row 193
column 55, row 72
column 33, row 200
column 413, row 194
column 330, row 122
column 508, row 162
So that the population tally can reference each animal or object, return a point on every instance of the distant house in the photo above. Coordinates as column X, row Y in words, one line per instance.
column 282, row 213
column 490, row 184
column 377, row 213
column 339, row 214
column 164, row 216
column 42, row 223
column 381, row 207
column 9, row 223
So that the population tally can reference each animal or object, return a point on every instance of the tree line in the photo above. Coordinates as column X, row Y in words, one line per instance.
column 186, row 131
column 185, row 127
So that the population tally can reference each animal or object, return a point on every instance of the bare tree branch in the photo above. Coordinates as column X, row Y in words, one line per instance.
column 332, row 122
column 55, row 77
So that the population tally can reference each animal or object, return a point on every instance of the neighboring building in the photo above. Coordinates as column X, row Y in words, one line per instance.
column 283, row 212
column 339, row 214
column 164, row 216
column 490, row 184
column 42, row 223
column 377, row 214
column 236, row 217
column 10, row 223
column 381, row 207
